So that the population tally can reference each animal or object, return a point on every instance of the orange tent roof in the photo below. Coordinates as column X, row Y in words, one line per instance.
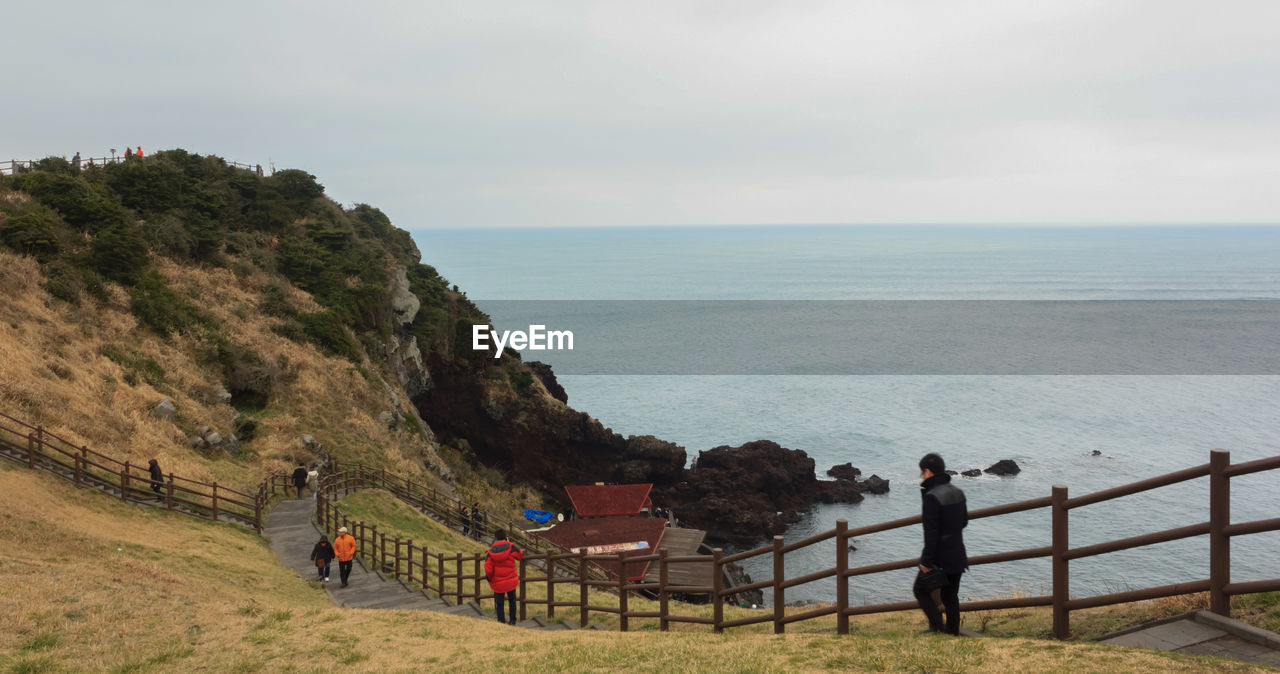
column 609, row 500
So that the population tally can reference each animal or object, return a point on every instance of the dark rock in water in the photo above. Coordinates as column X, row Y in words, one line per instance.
column 548, row 378
column 875, row 485
column 951, row 472
column 972, row 472
column 839, row 491
column 1096, row 452
column 844, row 471
column 1004, row 467
column 739, row 576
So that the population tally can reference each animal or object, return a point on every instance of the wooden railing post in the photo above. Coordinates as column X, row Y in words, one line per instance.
column 397, row 557
column 717, row 584
column 82, row 463
column 478, row 576
column 426, row 571
column 169, row 494
column 582, row 587
column 31, row 452
column 662, row 590
column 457, row 581
column 215, row 501
column 779, row 593
column 551, row 586
column 1219, row 541
column 1061, row 583
column 440, row 573
column 124, row 483
column 523, row 606
column 842, row 581
column 623, row 623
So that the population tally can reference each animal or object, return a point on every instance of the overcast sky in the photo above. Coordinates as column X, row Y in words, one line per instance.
column 467, row 114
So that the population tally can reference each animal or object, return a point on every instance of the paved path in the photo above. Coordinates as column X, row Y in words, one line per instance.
column 1204, row 633
column 293, row 534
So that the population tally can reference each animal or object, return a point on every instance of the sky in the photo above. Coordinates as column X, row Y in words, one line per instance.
column 517, row 114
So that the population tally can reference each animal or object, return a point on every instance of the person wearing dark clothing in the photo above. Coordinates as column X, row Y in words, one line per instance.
column 322, row 555
column 75, row 163
column 500, row 570
column 945, row 516
column 300, row 478
column 465, row 514
column 477, row 520
column 157, row 478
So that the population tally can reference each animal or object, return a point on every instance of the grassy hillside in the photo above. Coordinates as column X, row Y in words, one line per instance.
column 98, row 585
column 263, row 309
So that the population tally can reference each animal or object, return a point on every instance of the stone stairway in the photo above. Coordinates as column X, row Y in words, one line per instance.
column 293, row 534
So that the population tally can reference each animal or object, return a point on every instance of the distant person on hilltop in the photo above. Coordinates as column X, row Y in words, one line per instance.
column 323, row 555
column 128, row 153
column 500, row 571
column 75, row 163
column 157, row 475
column 944, row 515
column 300, row 478
column 344, row 548
column 139, row 150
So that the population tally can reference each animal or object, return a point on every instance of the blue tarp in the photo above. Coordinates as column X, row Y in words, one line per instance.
column 539, row 516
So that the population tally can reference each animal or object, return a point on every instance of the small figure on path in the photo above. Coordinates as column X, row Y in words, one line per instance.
column 313, row 476
column 128, row 153
column 75, row 163
column 322, row 555
column 344, row 548
column 157, row 478
column 500, row 571
column 945, row 516
column 465, row 513
column 300, row 478
column 139, row 151
column 477, row 521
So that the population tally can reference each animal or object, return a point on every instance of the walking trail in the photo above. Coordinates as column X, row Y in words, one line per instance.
column 293, row 533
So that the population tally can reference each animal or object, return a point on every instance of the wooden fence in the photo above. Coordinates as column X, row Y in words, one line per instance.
column 15, row 166
column 1219, row 585
column 39, row 449
column 451, row 574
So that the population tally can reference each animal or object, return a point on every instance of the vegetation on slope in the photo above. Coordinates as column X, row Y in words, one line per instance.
column 176, row 275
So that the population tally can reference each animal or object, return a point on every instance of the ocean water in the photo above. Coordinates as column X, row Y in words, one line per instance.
column 1143, row 425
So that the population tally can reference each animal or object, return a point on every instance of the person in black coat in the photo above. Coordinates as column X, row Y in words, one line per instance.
column 157, row 478
column 323, row 555
column 945, row 516
column 300, row 478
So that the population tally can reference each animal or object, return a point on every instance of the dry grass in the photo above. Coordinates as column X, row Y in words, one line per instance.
column 95, row 584
column 53, row 373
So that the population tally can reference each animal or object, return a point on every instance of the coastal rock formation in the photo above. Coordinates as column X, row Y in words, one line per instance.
column 548, row 378
column 1003, row 467
column 844, row 471
column 972, row 472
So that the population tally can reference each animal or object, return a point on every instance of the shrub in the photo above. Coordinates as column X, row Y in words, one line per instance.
column 84, row 206
column 296, row 185
column 275, row 301
column 119, row 253
column 33, row 233
column 325, row 331
column 63, row 281
column 157, row 307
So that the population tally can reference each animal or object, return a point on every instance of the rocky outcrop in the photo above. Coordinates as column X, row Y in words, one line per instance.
column 844, row 471
column 972, row 472
column 403, row 302
column 165, row 409
column 548, row 378
column 1003, row 467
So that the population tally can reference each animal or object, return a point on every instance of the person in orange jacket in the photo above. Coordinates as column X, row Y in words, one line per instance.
column 344, row 548
column 500, row 570
column 139, row 150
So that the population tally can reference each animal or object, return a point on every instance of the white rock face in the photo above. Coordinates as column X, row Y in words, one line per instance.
column 403, row 302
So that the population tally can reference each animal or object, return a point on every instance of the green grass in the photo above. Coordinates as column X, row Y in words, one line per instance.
column 394, row 518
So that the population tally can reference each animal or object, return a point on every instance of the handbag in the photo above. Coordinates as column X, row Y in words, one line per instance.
column 935, row 579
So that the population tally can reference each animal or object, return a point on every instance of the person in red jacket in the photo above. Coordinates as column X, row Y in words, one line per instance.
column 500, row 570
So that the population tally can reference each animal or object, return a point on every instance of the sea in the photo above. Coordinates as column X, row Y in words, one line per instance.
column 1086, row 431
